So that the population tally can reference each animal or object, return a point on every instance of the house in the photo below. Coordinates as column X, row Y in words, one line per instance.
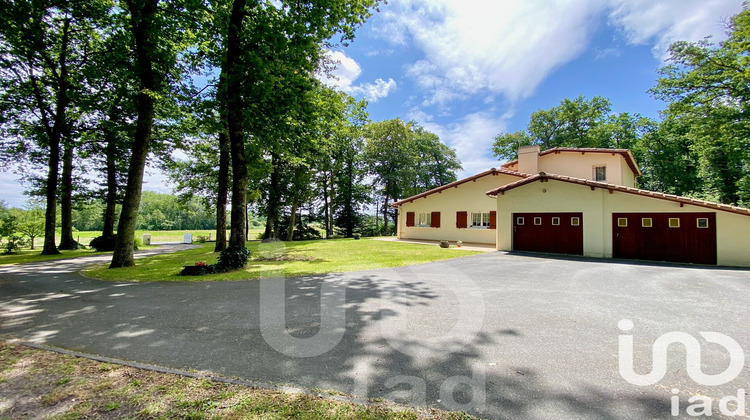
column 581, row 202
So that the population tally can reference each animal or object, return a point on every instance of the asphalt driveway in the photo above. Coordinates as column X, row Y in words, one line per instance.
column 498, row 335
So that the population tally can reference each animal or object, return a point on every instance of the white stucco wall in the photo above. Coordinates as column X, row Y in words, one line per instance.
column 469, row 197
column 732, row 230
column 580, row 165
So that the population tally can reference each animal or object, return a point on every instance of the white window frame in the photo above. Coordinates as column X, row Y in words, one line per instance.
column 484, row 220
column 577, row 221
column 669, row 222
column 520, row 220
column 622, row 222
column 555, row 221
column 698, row 223
column 537, row 221
column 423, row 219
column 594, row 174
column 647, row 222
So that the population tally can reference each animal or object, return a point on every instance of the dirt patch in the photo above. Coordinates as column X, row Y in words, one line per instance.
column 44, row 384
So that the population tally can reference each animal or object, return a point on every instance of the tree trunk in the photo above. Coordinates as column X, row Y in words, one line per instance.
column 234, row 70
column 348, row 211
column 385, row 211
column 142, row 17
column 331, row 198
column 66, row 199
column 273, row 200
column 54, row 135
column 223, row 186
column 223, row 191
column 292, row 217
column 325, row 205
column 110, row 212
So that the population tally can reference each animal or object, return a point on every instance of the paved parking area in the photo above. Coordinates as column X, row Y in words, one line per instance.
column 498, row 335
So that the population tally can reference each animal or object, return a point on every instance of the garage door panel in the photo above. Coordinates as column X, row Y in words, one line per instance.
column 681, row 241
column 548, row 232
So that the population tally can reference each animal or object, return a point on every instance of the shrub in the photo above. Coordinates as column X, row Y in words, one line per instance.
column 232, row 259
column 356, row 236
column 107, row 243
column 103, row 243
column 13, row 244
column 444, row 244
column 201, row 239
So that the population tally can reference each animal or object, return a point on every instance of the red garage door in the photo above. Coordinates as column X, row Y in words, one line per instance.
column 673, row 237
column 560, row 233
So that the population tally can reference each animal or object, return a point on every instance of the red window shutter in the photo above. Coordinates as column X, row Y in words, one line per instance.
column 461, row 219
column 435, row 219
column 493, row 220
column 409, row 219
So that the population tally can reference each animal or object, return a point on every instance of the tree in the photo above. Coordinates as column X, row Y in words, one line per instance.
column 160, row 34
column 707, row 88
column 574, row 123
column 389, row 153
column 31, row 223
column 45, row 45
column 275, row 83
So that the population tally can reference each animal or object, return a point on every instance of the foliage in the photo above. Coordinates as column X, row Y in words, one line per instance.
column 707, row 89
column 103, row 243
column 405, row 159
column 9, row 232
column 232, row 259
column 30, row 223
column 107, row 243
column 575, row 123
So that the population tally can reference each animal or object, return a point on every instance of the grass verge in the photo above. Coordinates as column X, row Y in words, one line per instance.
column 284, row 259
column 29, row 255
column 43, row 384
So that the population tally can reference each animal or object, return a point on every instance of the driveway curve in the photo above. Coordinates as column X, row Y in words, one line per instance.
column 497, row 335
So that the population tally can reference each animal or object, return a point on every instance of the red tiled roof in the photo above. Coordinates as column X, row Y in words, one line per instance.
column 492, row 171
column 620, row 188
column 626, row 154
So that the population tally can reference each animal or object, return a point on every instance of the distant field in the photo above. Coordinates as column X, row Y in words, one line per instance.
column 160, row 235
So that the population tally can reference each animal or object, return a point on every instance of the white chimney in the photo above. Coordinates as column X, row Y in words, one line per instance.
column 528, row 159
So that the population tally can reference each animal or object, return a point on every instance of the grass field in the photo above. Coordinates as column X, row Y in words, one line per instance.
column 284, row 259
column 33, row 255
column 44, row 384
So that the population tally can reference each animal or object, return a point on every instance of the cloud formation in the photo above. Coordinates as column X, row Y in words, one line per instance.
column 663, row 23
column 509, row 47
column 347, row 71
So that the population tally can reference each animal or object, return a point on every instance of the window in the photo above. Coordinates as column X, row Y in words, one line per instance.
column 423, row 219
column 647, row 222
column 674, row 222
column 519, row 221
column 555, row 221
column 538, row 221
column 600, row 173
column 702, row 223
column 575, row 221
column 480, row 220
column 622, row 222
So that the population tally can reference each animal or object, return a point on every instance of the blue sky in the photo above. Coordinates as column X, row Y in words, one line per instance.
column 468, row 70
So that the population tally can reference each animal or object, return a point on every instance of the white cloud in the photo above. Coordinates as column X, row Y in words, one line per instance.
column 347, row 71
column 664, row 22
column 471, row 136
column 509, row 47
column 505, row 46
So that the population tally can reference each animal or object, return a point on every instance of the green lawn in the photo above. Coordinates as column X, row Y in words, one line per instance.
column 28, row 255
column 284, row 258
column 84, row 237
